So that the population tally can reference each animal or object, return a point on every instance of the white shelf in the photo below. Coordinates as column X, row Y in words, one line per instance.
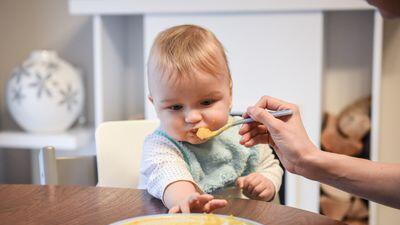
column 132, row 7
column 71, row 140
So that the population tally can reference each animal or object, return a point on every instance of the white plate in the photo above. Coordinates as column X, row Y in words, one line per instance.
column 195, row 218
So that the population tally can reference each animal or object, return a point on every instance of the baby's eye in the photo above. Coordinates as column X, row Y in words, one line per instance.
column 207, row 102
column 175, row 107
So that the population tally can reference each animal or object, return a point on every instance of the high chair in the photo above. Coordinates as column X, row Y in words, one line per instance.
column 119, row 150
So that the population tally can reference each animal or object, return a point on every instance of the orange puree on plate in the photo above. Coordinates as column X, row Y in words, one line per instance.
column 204, row 219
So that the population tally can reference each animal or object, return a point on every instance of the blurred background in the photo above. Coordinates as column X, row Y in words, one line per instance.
column 337, row 61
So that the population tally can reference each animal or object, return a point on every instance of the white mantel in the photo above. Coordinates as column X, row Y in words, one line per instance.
column 131, row 7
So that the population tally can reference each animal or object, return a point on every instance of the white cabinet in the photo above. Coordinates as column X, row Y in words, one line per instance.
column 318, row 54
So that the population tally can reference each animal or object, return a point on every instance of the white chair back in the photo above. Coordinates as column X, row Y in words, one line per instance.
column 119, row 149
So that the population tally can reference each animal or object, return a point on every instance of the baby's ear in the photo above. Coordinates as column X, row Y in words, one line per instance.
column 150, row 98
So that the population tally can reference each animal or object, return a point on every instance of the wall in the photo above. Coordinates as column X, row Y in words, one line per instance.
column 348, row 61
column 390, row 109
column 30, row 25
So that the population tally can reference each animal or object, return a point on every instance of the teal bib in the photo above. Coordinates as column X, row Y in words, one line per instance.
column 218, row 162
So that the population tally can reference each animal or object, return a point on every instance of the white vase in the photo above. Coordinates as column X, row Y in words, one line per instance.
column 45, row 94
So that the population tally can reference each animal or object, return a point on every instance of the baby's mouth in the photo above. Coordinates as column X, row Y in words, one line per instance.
column 194, row 132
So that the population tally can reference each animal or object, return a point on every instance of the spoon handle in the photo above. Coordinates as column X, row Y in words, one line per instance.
column 280, row 113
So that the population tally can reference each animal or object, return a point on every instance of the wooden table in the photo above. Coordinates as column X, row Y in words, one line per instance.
column 34, row 204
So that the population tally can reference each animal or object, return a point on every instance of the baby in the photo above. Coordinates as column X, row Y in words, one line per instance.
column 190, row 87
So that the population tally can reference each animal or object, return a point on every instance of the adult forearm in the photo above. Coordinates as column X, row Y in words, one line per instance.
column 378, row 182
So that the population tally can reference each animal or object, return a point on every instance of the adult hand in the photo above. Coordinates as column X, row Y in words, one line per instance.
column 286, row 135
column 298, row 155
column 198, row 203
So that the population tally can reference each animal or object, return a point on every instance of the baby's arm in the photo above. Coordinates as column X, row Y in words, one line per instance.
column 182, row 197
column 168, row 179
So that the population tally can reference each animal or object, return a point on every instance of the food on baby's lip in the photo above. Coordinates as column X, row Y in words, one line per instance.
column 205, row 133
column 187, row 219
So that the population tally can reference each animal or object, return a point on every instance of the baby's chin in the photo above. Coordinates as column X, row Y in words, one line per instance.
column 196, row 141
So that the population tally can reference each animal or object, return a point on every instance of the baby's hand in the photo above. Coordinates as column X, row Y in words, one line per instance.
column 198, row 203
column 256, row 186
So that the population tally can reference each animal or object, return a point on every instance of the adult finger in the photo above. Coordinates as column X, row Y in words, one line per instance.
column 271, row 103
column 259, row 130
column 245, row 137
column 263, row 116
column 247, row 127
column 263, row 139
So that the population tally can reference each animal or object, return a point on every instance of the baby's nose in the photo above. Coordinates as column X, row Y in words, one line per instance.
column 193, row 116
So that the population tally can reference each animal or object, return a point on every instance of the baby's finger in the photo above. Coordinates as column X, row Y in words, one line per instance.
column 267, row 195
column 185, row 207
column 247, row 193
column 174, row 209
column 204, row 198
column 247, row 181
column 239, row 182
column 216, row 204
column 258, row 189
column 254, row 183
column 253, row 180
column 245, row 184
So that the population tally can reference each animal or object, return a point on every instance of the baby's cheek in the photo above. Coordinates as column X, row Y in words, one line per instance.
column 172, row 128
column 219, row 120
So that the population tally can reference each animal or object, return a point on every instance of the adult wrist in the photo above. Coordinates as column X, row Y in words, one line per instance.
column 311, row 163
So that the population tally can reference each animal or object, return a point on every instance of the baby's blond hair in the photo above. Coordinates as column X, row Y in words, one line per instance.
column 181, row 51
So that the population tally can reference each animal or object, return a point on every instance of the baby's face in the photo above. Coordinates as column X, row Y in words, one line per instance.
column 186, row 105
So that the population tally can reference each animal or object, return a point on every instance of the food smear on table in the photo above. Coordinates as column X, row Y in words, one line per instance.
column 188, row 219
